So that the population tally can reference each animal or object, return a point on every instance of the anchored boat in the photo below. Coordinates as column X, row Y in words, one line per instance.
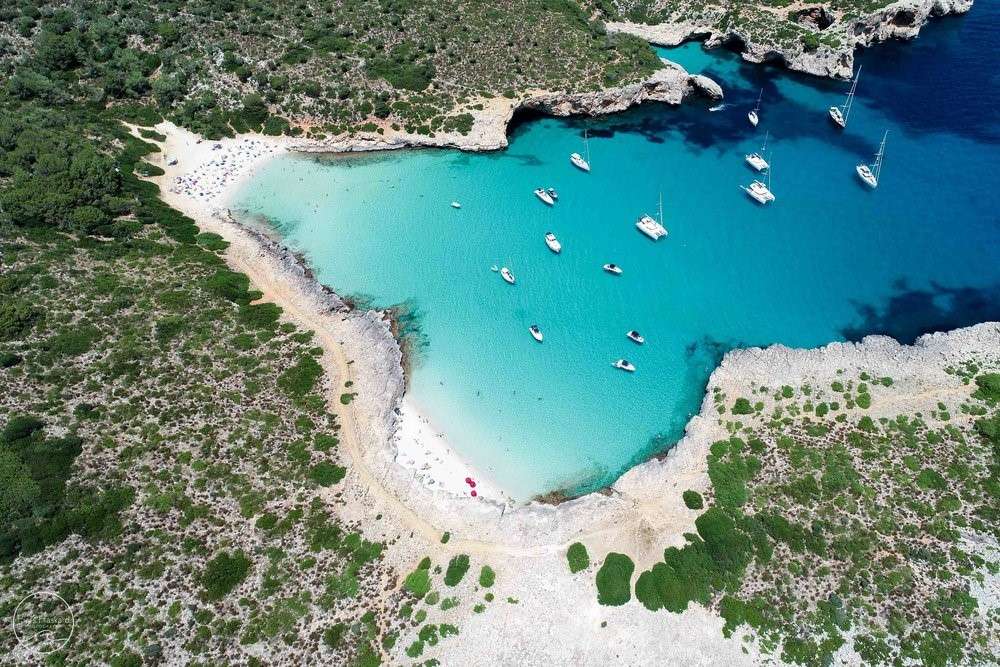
column 870, row 174
column 840, row 114
column 613, row 269
column 544, row 196
column 753, row 116
column 506, row 274
column 635, row 337
column 553, row 243
column 756, row 160
column 536, row 333
column 625, row 365
column 650, row 227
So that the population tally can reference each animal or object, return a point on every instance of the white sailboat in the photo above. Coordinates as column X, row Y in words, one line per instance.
column 870, row 174
column 652, row 228
column 507, row 275
column 760, row 191
column 578, row 160
column 840, row 114
column 753, row 116
column 756, row 160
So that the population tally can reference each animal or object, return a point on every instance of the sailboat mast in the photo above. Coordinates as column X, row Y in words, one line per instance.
column 850, row 96
column 661, row 208
column 759, row 97
column 763, row 148
column 880, row 155
column 586, row 145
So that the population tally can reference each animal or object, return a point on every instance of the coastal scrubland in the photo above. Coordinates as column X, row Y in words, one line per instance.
column 323, row 68
column 825, row 526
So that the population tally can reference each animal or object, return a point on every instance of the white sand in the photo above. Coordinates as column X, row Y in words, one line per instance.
column 203, row 182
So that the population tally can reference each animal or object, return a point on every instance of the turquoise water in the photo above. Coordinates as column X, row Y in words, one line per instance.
column 829, row 260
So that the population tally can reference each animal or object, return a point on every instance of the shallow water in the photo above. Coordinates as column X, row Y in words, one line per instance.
column 829, row 260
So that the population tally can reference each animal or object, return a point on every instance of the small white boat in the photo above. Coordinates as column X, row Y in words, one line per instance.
column 455, row 204
column 870, row 174
column 650, row 226
column 840, row 114
column 613, row 268
column 494, row 268
column 544, row 196
column 507, row 275
column 635, row 337
column 756, row 160
column 552, row 193
column 717, row 107
column 536, row 333
column 553, row 243
column 754, row 116
column 625, row 365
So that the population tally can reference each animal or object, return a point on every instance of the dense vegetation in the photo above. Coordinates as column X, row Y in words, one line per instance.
column 825, row 526
column 163, row 438
column 330, row 67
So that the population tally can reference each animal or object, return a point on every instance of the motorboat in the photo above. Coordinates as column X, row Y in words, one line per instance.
column 756, row 160
column 613, row 268
column 506, row 274
column 625, row 365
column 552, row 193
column 635, row 337
column 553, row 243
column 536, row 333
column 455, row 204
column 650, row 226
column 870, row 174
column 839, row 115
column 754, row 115
column 544, row 196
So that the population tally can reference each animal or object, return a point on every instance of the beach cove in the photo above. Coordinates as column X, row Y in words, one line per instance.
column 845, row 261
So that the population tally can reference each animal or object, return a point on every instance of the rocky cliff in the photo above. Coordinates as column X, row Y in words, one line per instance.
column 833, row 34
column 671, row 85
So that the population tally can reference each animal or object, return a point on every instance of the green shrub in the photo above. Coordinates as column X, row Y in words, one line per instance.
column 577, row 557
column 487, row 576
column 693, row 500
column 742, row 407
column 614, row 580
column 224, row 573
column 457, row 567
column 301, row 378
column 325, row 473
column 418, row 582
column 988, row 388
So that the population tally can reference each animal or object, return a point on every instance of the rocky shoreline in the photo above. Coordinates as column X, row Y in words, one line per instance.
column 671, row 84
column 900, row 20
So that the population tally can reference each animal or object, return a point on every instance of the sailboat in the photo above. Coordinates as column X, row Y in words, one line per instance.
column 760, row 191
column 870, row 174
column 753, row 115
column 578, row 160
column 839, row 114
column 652, row 228
column 756, row 160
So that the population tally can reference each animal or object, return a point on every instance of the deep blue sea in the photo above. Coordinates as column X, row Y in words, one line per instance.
column 829, row 260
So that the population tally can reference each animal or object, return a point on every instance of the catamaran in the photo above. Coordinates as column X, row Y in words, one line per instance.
column 536, row 333
column 506, row 274
column 650, row 227
column 839, row 114
column 760, row 191
column 753, row 116
column 870, row 174
column 544, row 196
column 553, row 243
column 756, row 160
column 578, row 160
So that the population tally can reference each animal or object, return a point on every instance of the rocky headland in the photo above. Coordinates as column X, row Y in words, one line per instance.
column 829, row 52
